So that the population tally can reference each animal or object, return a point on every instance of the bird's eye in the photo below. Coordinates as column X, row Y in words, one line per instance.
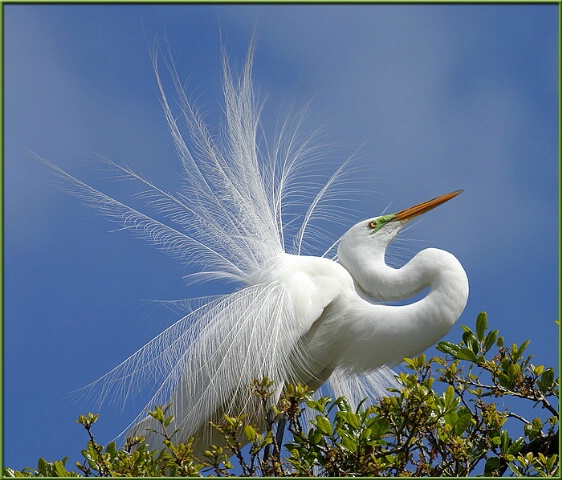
column 373, row 224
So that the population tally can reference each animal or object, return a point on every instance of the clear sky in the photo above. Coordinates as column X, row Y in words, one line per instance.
column 437, row 97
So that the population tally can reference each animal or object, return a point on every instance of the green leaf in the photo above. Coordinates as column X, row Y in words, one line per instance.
column 349, row 444
column 505, row 441
column 342, row 403
column 534, row 429
column 504, row 381
column 523, row 347
column 470, row 341
column 157, row 414
column 550, row 462
column 316, row 437
column 490, row 339
column 112, row 449
column 60, row 470
column 366, row 434
column 319, row 405
column 481, row 325
column 467, row 329
column 451, row 418
column 516, row 446
column 379, row 427
column 492, row 464
column 466, row 354
column 324, row 425
column 353, row 419
column 448, row 348
column 250, row 433
column 546, row 380
column 537, row 423
column 42, row 467
column 512, row 372
column 463, row 423
column 449, row 397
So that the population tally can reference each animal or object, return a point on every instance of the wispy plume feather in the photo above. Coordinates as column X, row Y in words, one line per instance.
column 239, row 208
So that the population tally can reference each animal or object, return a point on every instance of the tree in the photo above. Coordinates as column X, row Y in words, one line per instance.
column 444, row 420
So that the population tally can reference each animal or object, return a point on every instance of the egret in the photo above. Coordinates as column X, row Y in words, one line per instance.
column 291, row 317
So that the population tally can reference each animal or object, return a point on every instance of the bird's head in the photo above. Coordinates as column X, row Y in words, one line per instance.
column 377, row 233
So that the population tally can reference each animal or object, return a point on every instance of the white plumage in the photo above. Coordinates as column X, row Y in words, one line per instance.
column 291, row 317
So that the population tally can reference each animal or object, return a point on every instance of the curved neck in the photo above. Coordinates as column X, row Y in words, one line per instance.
column 384, row 283
column 406, row 330
column 444, row 275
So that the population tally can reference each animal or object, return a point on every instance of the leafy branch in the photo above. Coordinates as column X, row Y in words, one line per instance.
column 444, row 420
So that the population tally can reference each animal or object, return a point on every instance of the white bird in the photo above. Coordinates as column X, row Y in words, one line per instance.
column 291, row 317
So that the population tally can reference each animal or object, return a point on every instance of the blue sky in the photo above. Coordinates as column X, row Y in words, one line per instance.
column 437, row 97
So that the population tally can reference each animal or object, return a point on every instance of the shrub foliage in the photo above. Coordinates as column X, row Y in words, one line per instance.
column 444, row 420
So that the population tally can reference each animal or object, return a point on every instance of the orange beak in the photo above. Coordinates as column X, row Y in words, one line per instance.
column 424, row 207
